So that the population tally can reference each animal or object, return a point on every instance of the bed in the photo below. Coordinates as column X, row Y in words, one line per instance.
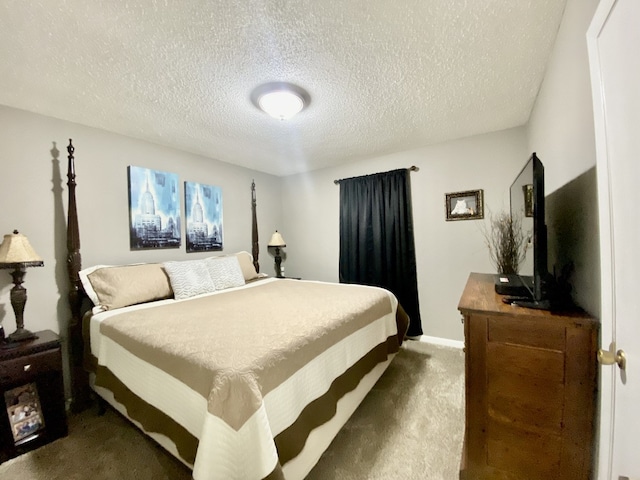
column 238, row 375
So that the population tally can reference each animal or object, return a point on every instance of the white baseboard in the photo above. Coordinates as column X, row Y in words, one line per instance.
column 445, row 342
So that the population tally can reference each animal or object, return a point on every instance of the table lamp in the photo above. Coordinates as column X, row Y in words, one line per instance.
column 277, row 242
column 17, row 253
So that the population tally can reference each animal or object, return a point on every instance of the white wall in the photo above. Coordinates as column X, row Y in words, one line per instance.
column 561, row 131
column 561, row 128
column 446, row 252
column 33, row 195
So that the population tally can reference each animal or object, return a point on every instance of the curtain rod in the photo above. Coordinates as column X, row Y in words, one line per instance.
column 412, row 168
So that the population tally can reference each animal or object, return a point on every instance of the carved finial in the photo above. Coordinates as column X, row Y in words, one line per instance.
column 71, row 174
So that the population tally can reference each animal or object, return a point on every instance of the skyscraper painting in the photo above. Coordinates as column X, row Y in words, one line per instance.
column 203, row 210
column 154, row 209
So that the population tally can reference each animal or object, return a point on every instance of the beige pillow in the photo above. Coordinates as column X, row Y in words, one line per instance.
column 117, row 287
column 246, row 264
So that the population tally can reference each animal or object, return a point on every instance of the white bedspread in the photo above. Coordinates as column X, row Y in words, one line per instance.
column 248, row 452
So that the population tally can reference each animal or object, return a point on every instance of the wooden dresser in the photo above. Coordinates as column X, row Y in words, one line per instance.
column 530, row 389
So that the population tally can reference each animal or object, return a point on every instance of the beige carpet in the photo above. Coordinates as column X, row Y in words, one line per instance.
column 409, row 427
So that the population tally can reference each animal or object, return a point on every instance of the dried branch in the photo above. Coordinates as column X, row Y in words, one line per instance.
column 506, row 241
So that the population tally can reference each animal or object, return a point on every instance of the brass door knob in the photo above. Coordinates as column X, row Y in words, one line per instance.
column 608, row 357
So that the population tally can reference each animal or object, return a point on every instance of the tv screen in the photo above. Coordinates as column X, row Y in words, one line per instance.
column 527, row 206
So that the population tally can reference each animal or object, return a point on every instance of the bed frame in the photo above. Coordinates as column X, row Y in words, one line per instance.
column 318, row 440
column 79, row 303
column 80, row 391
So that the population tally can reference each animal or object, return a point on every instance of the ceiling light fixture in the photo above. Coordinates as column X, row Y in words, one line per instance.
column 281, row 100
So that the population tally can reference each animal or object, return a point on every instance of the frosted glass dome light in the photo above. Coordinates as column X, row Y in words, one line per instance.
column 280, row 100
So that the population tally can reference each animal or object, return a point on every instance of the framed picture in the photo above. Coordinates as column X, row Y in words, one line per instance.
column 527, row 191
column 24, row 411
column 154, row 209
column 203, row 205
column 467, row 205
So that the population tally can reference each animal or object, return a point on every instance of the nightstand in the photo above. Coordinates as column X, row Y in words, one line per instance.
column 32, row 406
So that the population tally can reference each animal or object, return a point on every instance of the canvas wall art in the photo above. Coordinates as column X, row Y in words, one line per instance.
column 203, row 210
column 154, row 209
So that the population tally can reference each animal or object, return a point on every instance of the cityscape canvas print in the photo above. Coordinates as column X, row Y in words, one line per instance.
column 154, row 209
column 203, row 210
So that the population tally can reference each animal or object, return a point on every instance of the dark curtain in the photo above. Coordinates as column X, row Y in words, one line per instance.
column 376, row 237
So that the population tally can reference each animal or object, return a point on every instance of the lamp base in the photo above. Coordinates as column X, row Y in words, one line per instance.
column 278, row 263
column 21, row 335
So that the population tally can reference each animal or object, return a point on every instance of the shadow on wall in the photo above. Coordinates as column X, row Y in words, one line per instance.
column 573, row 238
column 60, row 246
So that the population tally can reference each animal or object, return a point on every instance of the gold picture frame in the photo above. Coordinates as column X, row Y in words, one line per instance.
column 467, row 205
column 527, row 191
column 24, row 412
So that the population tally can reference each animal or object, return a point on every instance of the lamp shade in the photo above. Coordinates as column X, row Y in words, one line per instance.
column 277, row 240
column 16, row 249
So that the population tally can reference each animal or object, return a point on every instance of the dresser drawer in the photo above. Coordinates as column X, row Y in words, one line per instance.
column 29, row 366
column 526, row 361
column 529, row 333
column 524, row 454
column 530, row 403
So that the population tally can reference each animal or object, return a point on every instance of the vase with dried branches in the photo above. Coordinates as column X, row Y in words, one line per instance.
column 507, row 242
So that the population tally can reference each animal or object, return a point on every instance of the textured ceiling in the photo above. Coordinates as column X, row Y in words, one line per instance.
column 383, row 75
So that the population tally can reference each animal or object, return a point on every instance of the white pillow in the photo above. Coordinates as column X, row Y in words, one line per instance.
column 225, row 272
column 189, row 278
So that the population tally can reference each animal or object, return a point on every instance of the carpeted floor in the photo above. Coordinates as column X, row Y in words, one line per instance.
column 409, row 427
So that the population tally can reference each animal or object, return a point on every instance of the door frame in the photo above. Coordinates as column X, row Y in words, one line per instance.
column 605, row 434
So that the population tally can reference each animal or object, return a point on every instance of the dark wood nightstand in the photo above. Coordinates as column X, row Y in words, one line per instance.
column 32, row 406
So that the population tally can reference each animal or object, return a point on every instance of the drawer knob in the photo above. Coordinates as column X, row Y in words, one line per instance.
column 27, row 368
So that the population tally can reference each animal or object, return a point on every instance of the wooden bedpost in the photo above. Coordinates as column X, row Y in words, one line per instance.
column 79, row 379
column 255, row 248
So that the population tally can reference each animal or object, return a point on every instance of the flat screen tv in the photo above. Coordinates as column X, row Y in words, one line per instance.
column 527, row 204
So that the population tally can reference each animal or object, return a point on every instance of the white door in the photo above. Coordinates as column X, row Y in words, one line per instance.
column 614, row 56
